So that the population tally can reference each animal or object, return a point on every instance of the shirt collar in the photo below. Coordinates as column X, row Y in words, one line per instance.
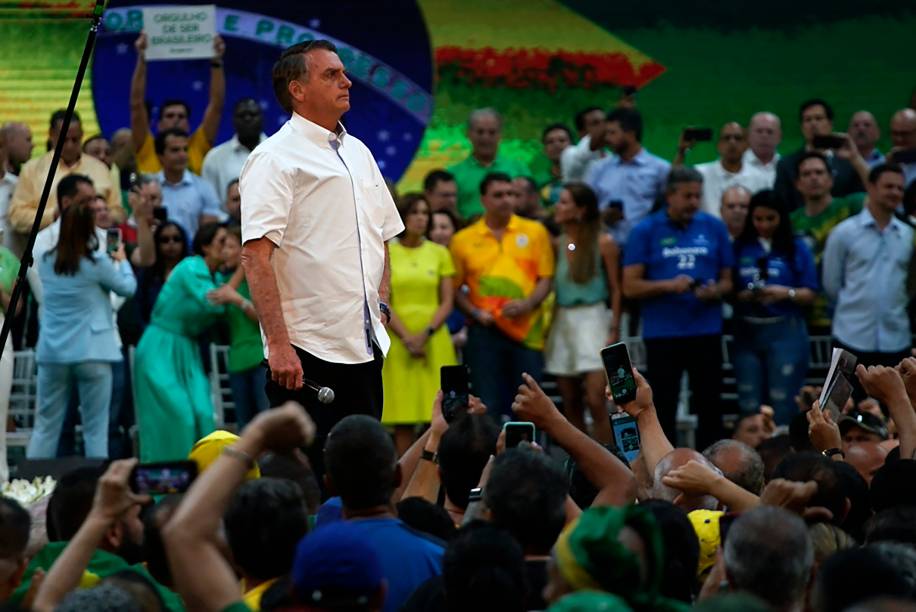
column 238, row 146
column 483, row 229
column 640, row 159
column 315, row 132
column 186, row 178
column 866, row 219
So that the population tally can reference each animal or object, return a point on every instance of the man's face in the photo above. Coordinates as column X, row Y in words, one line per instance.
column 234, row 201
column 484, row 134
column 248, row 120
column 751, row 431
column 19, row 143
column 529, row 200
column 684, row 201
column 731, row 142
column 594, row 124
column 814, row 122
column 444, row 196
column 618, row 140
column 764, row 135
column 152, row 191
column 735, row 204
column 99, row 149
column 174, row 116
column 175, row 156
column 85, row 194
column 887, row 191
column 864, row 131
column 814, row 179
column 73, row 141
column 554, row 143
column 326, row 88
column 903, row 129
column 499, row 199
column 857, row 435
column 99, row 208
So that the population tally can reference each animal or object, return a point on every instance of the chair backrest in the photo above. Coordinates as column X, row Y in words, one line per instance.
column 220, row 389
column 23, row 395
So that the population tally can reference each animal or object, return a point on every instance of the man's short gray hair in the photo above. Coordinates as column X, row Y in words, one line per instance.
column 749, row 473
column 769, row 554
column 480, row 113
column 680, row 175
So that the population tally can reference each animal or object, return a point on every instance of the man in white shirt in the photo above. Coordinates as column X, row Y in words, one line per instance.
column 7, row 186
column 578, row 159
column 764, row 133
column 864, row 131
column 316, row 217
column 223, row 164
column 729, row 169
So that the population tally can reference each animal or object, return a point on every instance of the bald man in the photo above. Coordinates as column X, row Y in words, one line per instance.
column 903, row 138
column 867, row 458
column 865, row 133
column 688, row 503
column 736, row 201
column 19, row 145
column 764, row 133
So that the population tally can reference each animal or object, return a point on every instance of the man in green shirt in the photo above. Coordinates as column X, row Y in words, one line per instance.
column 814, row 221
column 484, row 132
column 545, row 169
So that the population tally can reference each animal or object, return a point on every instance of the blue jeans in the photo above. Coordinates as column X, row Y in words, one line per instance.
column 248, row 394
column 771, row 361
column 118, row 445
column 92, row 380
column 497, row 363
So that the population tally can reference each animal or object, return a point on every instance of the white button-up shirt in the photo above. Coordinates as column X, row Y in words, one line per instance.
column 319, row 196
column 767, row 169
column 223, row 164
column 717, row 179
column 7, row 186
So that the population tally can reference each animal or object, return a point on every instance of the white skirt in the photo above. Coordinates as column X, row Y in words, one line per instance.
column 576, row 338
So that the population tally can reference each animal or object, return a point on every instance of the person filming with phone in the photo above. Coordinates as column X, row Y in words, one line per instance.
column 678, row 264
column 77, row 345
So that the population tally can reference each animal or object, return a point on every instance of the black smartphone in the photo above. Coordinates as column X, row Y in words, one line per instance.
column 163, row 478
column 830, row 141
column 160, row 214
column 907, row 156
column 726, row 521
column 619, row 372
column 626, row 436
column 455, row 384
column 697, row 134
column 112, row 239
column 518, row 432
column 133, row 181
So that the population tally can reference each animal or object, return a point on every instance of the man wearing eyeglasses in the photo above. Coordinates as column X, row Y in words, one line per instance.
column 727, row 171
column 223, row 164
column 316, row 217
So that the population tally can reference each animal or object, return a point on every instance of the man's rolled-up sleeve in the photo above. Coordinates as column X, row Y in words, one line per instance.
column 267, row 198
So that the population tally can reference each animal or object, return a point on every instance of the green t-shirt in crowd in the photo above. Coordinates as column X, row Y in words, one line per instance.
column 245, row 348
column 9, row 268
column 814, row 231
column 469, row 174
column 549, row 185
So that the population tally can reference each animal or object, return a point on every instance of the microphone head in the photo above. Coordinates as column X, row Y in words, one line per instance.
column 325, row 395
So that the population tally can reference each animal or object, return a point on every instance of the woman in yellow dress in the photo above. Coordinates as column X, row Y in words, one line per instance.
column 422, row 297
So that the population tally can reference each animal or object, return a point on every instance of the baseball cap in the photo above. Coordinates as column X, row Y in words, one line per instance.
column 210, row 447
column 863, row 420
column 335, row 567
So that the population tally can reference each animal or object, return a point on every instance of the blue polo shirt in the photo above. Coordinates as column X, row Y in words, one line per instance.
column 699, row 250
column 799, row 271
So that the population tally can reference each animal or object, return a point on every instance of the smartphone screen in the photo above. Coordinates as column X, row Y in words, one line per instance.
column 828, row 142
column 518, row 432
column 112, row 239
column 455, row 384
column 619, row 372
column 698, row 134
column 626, row 436
column 163, row 478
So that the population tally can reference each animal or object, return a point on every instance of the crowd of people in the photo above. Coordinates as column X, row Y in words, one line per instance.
column 518, row 269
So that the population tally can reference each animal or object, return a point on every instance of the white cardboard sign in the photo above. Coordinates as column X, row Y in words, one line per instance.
column 179, row 32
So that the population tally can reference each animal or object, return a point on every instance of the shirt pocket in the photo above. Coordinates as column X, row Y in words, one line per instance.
column 373, row 201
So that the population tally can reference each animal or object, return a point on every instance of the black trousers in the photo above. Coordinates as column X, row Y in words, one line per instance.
column 357, row 390
column 701, row 357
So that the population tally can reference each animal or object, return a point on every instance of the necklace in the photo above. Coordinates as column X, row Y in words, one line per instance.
column 571, row 247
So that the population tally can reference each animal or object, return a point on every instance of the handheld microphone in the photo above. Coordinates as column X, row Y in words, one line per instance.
column 325, row 394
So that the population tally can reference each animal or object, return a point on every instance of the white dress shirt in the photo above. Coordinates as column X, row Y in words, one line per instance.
column 577, row 160
column 7, row 186
column 320, row 197
column 223, row 164
column 767, row 169
column 717, row 179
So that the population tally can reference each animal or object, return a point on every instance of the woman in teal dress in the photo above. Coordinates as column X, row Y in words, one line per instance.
column 171, row 389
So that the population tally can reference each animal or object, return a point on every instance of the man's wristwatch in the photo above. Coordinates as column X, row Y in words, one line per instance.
column 429, row 455
column 385, row 310
column 792, row 294
column 830, row 452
